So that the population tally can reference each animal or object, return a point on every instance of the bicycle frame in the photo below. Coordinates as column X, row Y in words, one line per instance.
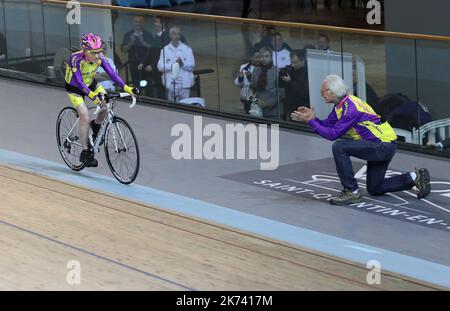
column 106, row 123
column 115, row 132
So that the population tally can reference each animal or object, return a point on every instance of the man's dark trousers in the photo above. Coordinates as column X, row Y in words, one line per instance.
column 378, row 156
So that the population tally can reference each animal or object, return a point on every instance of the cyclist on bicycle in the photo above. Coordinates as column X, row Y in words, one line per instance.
column 80, row 72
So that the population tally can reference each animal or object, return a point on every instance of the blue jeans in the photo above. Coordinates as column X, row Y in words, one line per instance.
column 378, row 156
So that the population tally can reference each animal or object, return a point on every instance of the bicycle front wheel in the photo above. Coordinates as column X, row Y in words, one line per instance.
column 122, row 151
column 67, row 138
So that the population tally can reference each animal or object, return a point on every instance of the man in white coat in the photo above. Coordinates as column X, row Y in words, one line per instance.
column 177, row 63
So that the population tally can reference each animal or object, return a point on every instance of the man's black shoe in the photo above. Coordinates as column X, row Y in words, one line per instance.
column 422, row 183
column 87, row 158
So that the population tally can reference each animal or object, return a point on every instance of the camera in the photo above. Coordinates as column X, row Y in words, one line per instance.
column 255, row 109
column 246, row 71
column 286, row 71
column 253, row 99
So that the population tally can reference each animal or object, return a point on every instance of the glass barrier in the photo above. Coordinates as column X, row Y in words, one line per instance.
column 57, row 43
column 244, row 69
column 176, row 56
column 433, row 129
column 245, row 50
column 237, row 59
column 314, row 54
column 24, row 34
column 137, row 50
column 121, row 22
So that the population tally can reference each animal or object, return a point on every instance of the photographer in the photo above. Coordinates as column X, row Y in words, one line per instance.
column 137, row 43
column 244, row 77
column 294, row 78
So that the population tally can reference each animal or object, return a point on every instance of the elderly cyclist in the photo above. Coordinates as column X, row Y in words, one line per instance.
column 80, row 82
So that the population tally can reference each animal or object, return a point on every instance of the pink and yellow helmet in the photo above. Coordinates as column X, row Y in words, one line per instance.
column 91, row 42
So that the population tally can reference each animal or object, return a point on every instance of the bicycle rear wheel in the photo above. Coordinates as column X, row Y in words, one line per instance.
column 122, row 151
column 67, row 138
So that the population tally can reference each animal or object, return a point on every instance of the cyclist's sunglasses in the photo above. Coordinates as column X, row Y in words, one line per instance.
column 95, row 52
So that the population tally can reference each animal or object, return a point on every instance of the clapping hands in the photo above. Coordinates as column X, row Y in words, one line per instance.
column 303, row 114
column 179, row 61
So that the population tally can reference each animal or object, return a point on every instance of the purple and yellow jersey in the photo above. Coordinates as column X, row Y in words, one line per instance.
column 80, row 72
column 356, row 118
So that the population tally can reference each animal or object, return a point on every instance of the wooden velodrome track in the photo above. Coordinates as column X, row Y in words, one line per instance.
column 124, row 245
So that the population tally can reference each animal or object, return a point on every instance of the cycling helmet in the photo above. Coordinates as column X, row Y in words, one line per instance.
column 91, row 42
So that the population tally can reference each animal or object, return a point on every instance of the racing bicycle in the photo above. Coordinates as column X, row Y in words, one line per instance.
column 116, row 135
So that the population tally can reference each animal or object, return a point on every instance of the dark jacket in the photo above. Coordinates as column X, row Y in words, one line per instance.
column 296, row 90
column 138, row 53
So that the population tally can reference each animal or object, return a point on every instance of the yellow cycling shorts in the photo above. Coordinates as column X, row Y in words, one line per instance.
column 76, row 96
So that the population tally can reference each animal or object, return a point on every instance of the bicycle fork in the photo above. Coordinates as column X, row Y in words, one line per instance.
column 119, row 150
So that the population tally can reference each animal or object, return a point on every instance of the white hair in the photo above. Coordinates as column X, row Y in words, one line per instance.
column 174, row 29
column 336, row 86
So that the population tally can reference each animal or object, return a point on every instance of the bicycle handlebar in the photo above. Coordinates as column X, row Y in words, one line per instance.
column 107, row 97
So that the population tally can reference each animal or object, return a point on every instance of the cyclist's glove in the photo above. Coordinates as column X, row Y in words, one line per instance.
column 95, row 98
column 130, row 90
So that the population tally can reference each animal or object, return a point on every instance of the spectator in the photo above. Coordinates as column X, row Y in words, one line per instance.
column 281, row 52
column 177, row 63
column 245, row 8
column 264, row 84
column 244, row 78
column 294, row 78
column 137, row 43
column 265, row 35
column 266, row 38
column 323, row 42
column 162, row 38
